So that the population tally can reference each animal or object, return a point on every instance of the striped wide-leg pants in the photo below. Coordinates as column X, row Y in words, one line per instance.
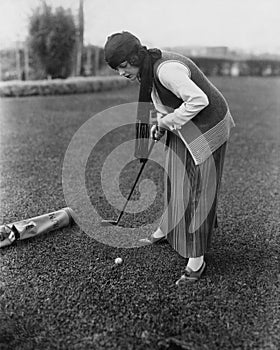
column 191, row 198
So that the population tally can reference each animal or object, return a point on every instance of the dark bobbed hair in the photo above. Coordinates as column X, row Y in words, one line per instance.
column 122, row 47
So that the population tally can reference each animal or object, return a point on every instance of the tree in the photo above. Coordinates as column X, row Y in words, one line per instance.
column 52, row 40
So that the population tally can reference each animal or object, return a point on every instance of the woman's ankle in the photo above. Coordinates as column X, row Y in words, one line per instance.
column 195, row 263
column 158, row 233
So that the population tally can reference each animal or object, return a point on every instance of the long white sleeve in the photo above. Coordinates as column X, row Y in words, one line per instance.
column 175, row 76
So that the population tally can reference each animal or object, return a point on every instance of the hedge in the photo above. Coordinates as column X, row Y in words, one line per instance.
column 17, row 88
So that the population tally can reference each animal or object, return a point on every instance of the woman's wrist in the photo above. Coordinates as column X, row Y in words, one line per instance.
column 161, row 124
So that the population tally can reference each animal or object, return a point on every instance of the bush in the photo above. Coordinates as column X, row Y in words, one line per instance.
column 77, row 85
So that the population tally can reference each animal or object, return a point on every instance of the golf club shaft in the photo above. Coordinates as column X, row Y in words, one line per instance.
column 135, row 183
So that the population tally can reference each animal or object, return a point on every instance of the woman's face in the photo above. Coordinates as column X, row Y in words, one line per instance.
column 128, row 71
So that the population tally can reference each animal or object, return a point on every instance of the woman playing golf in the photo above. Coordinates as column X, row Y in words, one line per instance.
column 198, row 122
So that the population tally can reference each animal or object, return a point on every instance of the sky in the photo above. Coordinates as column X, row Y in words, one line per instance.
column 252, row 25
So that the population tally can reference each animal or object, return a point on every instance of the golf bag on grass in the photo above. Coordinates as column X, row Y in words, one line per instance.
column 23, row 229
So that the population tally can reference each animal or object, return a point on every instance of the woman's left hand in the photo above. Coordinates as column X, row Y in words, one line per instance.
column 166, row 121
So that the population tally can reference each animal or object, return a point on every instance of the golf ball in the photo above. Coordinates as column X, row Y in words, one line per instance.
column 118, row 260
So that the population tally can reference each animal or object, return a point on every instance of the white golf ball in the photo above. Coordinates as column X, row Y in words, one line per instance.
column 118, row 260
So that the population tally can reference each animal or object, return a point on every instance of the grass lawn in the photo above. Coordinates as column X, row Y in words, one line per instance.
column 63, row 291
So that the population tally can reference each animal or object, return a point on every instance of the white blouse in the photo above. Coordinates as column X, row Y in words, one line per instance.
column 175, row 76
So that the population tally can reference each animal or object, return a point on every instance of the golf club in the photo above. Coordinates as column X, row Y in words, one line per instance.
column 115, row 222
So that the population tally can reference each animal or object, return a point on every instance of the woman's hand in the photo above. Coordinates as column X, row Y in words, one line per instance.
column 157, row 132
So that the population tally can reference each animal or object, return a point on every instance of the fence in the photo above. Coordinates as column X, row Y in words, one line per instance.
column 18, row 64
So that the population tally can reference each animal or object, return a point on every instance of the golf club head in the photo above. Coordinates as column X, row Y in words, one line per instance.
column 109, row 223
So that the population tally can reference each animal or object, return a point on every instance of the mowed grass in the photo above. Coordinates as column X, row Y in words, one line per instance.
column 63, row 291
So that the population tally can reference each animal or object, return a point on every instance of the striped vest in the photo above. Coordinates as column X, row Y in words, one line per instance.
column 210, row 128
